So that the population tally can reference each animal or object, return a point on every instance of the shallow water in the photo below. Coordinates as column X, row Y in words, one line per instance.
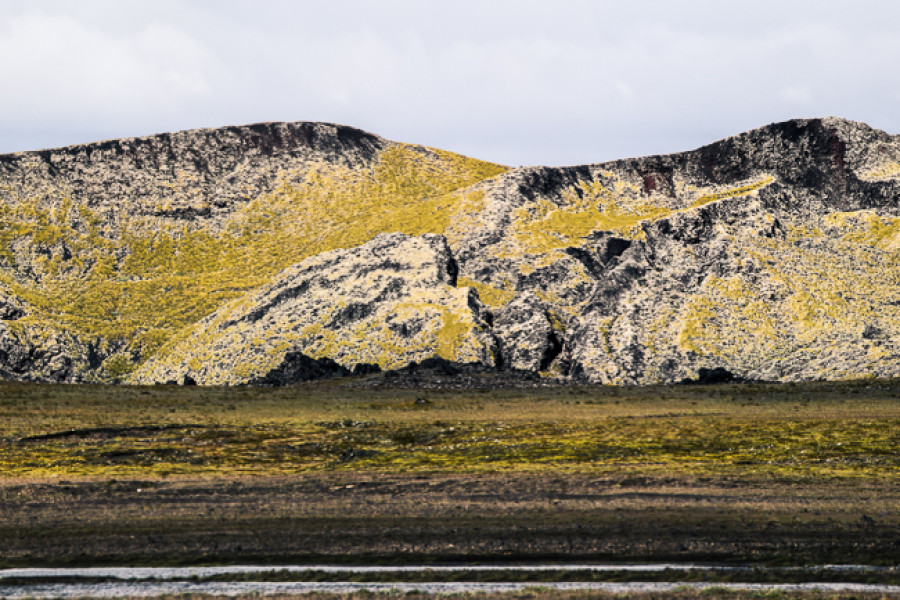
column 190, row 572
column 157, row 581
column 150, row 589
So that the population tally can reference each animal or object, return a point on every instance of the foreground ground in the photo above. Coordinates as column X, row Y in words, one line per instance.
column 538, row 593
column 766, row 474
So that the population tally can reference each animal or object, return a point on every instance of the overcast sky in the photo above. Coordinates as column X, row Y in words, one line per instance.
column 516, row 82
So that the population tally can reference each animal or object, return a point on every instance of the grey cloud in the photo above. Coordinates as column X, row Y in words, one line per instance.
column 518, row 82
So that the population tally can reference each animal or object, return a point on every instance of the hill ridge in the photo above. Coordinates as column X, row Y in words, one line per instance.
column 771, row 253
column 194, row 132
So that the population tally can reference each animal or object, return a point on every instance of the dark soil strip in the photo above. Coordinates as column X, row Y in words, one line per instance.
column 108, row 432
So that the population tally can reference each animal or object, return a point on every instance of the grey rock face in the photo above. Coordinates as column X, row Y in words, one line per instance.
column 525, row 334
column 9, row 309
column 52, row 358
column 774, row 254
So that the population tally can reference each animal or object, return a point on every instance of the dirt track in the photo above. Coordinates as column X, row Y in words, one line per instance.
column 360, row 518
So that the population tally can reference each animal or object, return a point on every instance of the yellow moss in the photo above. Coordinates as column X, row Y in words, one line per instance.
column 875, row 230
column 490, row 295
column 612, row 205
column 118, row 366
column 818, row 286
column 796, row 233
column 545, row 227
column 557, row 324
column 727, row 318
column 804, row 309
column 604, row 326
column 451, row 336
column 734, row 192
column 888, row 170
column 698, row 313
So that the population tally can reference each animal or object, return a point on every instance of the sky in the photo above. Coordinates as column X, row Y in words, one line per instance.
column 517, row 82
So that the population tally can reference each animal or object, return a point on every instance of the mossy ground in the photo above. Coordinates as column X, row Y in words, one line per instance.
column 818, row 286
column 783, row 474
column 816, row 431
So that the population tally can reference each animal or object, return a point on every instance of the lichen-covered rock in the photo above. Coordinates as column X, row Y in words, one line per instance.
column 120, row 245
column 772, row 254
column 35, row 355
column 389, row 302
column 526, row 335
column 227, row 256
column 9, row 308
column 185, row 176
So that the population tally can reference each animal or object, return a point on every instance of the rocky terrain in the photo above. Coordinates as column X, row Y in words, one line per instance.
column 280, row 252
column 385, row 304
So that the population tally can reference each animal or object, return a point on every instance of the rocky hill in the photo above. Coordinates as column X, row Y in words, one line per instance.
column 275, row 252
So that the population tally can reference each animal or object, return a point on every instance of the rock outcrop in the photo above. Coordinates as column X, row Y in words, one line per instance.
column 278, row 253
column 770, row 254
column 389, row 302
column 186, row 176
column 527, row 334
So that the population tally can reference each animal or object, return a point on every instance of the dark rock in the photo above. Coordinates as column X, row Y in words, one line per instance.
column 365, row 369
column 871, row 332
column 298, row 367
column 713, row 376
column 440, row 366
column 356, row 453
column 9, row 310
column 56, row 358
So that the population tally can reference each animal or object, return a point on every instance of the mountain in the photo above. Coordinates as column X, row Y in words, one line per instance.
column 278, row 252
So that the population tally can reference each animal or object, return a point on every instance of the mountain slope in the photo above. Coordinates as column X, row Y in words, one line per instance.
column 109, row 249
column 397, row 303
column 773, row 254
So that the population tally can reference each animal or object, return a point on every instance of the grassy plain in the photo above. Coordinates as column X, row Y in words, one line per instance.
column 774, row 474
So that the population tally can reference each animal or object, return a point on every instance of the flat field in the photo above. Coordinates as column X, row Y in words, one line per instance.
column 327, row 473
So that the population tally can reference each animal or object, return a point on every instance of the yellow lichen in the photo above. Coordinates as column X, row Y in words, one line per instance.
column 490, row 295
column 734, row 192
column 887, row 170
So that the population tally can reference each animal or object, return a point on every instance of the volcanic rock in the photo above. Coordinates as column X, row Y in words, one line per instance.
column 389, row 302
column 279, row 252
